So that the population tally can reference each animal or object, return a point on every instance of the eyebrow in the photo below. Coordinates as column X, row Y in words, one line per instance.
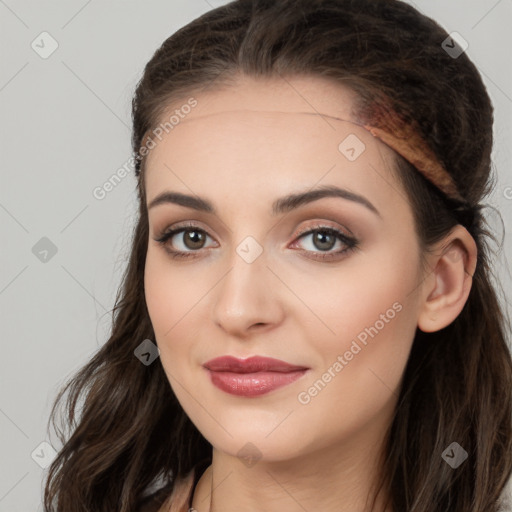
column 279, row 206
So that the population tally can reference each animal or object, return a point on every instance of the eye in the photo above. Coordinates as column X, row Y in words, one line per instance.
column 191, row 239
column 324, row 239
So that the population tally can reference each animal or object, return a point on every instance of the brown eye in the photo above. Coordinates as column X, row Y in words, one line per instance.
column 193, row 238
column 324, row 240
column 321, row 240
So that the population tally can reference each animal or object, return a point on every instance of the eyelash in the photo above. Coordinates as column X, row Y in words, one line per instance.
column 351, row 243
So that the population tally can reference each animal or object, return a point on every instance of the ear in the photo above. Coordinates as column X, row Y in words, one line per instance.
column 446, row 288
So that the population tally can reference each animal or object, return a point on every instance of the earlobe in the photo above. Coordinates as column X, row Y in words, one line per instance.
column 446, row 290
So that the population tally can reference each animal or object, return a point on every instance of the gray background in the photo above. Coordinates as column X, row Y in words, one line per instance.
column 65, row 129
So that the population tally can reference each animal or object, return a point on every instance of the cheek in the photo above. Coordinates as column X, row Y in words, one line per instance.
column 168, row 298
column 352, row 297
column 371, row 315
column 366, row 313
column 170, row 291
column 169, row 295
column 176, row 298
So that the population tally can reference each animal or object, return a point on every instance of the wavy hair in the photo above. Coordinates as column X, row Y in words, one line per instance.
column 125, row 434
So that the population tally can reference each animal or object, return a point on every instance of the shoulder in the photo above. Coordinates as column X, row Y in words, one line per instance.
column 171, row 498
column 506, row 498
column 153, row 501
column 181, row 496
column 174, row 496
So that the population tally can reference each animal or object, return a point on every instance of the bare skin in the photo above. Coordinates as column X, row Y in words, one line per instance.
column 242, row 148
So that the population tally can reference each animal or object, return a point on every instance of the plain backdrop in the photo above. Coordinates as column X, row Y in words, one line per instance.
column 65, row 129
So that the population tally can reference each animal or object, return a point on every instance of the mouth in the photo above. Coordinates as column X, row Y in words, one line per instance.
column 251, row 377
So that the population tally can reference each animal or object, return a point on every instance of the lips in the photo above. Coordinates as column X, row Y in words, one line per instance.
column 253, row 376
column 250, row 365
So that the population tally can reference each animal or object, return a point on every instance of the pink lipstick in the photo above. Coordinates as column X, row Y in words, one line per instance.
column 253, row 376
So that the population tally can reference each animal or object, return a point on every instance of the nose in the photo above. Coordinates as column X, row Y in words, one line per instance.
column 248, row 298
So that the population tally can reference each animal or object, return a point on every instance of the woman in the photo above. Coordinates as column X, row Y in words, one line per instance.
column 307, row 320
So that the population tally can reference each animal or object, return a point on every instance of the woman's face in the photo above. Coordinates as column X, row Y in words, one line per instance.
column 257, row 282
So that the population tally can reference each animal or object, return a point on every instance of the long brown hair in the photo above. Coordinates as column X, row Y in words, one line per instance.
column 125, row 432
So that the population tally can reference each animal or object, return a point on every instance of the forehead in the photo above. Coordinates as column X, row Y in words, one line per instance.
column 254, row 131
